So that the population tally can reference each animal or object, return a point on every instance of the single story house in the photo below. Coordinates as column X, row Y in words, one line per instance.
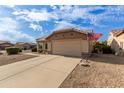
column 67, row 42
column 116, row 41
column 5, row 44
column 25, row 46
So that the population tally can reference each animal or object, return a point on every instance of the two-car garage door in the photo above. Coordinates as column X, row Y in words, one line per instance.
column 67, row 47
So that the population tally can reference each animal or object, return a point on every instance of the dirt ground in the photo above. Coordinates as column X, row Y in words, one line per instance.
column 7, row 59
column 103, row 71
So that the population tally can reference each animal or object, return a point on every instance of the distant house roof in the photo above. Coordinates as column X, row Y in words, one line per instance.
column 117, row 32
column 25, row 43
column 41, row 39
column 5, row 43
column 20, row 43
column 65, row 30
column 1, row 42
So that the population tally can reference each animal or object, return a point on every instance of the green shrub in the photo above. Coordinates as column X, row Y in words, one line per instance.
column 107, row 50
column 25, row 48
column 34, row 49
column 40, row 51
column 103, row 47
column 20, row 50
column 12, row 50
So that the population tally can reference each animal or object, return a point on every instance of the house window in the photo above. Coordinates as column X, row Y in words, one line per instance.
column 40, row 46
column 121, row 45
column 46, row 46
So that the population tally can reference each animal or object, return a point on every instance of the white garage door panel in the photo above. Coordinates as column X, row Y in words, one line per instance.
column 67, row 47
column 84, row 46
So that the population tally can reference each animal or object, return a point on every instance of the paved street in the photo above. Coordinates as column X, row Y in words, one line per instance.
column 43, row 71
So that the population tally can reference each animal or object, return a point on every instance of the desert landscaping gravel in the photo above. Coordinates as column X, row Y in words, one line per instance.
column 103, row 71
column 7, row 59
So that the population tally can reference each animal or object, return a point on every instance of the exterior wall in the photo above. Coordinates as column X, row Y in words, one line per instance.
column 91, row 46
column 85, row 46
column 49, row 46
column 110, row 39
column 41, row 46
column 114, row 42
column 37, row 45
column 121, row 40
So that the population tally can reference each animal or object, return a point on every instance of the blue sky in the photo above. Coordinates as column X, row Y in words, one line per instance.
column 28, row 22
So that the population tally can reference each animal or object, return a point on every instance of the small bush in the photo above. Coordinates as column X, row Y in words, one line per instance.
column 34, row 50
column 25, row 48
column 20, row 50
column 103, row 47
column 40, row 51
column 12, row 50
column 107, row 50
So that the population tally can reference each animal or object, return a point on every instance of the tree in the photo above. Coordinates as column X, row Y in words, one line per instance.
column 102, row 47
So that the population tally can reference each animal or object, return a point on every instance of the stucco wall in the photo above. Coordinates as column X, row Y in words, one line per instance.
column 39, row 44
column 121, row 39
column 85, row 46
column 114, row 42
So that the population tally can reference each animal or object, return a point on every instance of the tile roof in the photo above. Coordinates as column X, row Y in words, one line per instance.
column 117, row 32
column 1, row 42
column 65, row 30
column 41, row 39
column 73, row 29
column 23, row 43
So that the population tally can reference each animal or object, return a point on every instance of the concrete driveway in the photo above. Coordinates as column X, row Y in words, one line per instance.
column 43, row 71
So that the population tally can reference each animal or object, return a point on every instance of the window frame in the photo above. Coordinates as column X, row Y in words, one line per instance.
column 46, row 46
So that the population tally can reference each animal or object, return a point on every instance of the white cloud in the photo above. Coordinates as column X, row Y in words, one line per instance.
column 11, row 6
column 68, row 13
column 36, row 27
column 65, row 24
column 71, row 13
column 9, row 30
column 53, row 6
column 114, row 13
column 35, row 15
column 19, row 12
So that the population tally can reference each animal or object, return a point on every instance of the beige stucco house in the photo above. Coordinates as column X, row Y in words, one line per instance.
column 67, row 42
column 5, row 44
column 116, row 41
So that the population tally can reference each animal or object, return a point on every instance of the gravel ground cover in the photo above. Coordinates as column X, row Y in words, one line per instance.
column 7, row 59
column 103, row 71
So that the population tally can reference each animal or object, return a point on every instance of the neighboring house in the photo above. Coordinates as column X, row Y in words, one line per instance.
column 5, row 44
column 116, row 41
column 25, row 46
column 68, row 42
